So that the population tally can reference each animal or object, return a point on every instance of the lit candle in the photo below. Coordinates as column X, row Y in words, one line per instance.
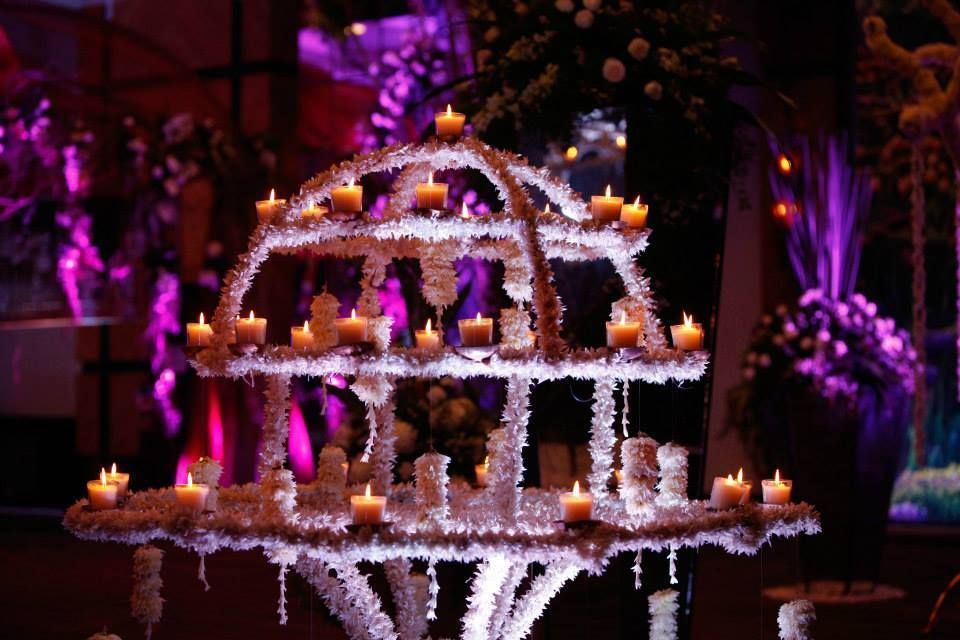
column 728, row 493
column 431, row 195
column 634, row 215
column 463, row 211
column 427, row 338
column 122, row 480
column 622, row 334
column 192, row 496
column 348, row 198
column 199, row 333
column 368, row 509
column 481, row 471
column 576, row 506
column 300, row 337
column 606, row 208
column 546, row 209
column 268, row 209
column 449, row 123
column 618, row 474
column 476, row 332
column 351, row 330
column 776, row 491
column 687, row 336
column 314, row 211
column 251, row 330
column 102, row 494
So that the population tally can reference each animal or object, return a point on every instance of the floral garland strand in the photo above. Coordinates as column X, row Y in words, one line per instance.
column 146, row 605
column 672, row 559
column 323, row 313
column 430, row 473
column 275, row 424
column 487, row 582
column 918, row 237
column 672, row 489
column 439, row 274
column 332, row 468
column 202, row 572
column 284, row 557
column 505, row 448
column 515, row 331
column 506, row 598
column 411, row 625
column 356, row 605
column 374, row 392
column 603, row 438
column 638, row 571
column 638, row 455
column 531, row 606
column 433, row 590
column 795, row 618
column 384, row 453
column 663, row 614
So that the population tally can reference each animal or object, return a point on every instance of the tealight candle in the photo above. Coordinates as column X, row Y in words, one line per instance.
column 776, row 491
column 481, row 471
column 606, row 208
column 268, row 209
column 576, row 506
column 431, row 195
column 634, row 215
column 449, row 123
column 102, row 494
column 368, row 509
column 199, row 333
column 122, row 480
column 427, row 338
column 351, row 330
column 251, row 330
column 476, row 332
column 687, row 336
column 728, row 493
column 314, row 211
column 348, row 198
column 192, row 496
column 622, row 334
column 300, row 337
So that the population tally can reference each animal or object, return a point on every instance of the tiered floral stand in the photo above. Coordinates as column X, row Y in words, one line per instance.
column 504, row 528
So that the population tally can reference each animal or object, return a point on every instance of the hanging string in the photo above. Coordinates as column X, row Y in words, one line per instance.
column 626, row 409
column 202, row 572
column 918, row 220
column 672, row 557
column 434, row 590
column 282, row 606
column 638, row 571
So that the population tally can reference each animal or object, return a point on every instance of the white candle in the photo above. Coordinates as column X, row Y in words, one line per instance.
column 449, row 123
column 427, row 338
column 199, row 333
column 314, row 211
column 351, row 330
column 348, row 198
column 728, row 493
column 192, row 496
column 576, row 506
column 102, row 494
column 634, row 215
column 606, row 208
column 122, row 480
column 368, row 509
column 481, row 471
column 476, row 332
column 431, row 195
column 776, row 491
column 622, row 334
column 300, row 337
column 687, row 336
column 251, row 330
column 268, row 209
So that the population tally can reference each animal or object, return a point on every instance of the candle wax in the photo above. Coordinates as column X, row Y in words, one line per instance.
column 427, row 338
column 348, row 198
column 606, row 208
column 301, row 338
column 576, row 506
column 776, row 491
column 368, row 509
column 199, row 333
column 251, row 330
column 634, row 215
column 449, row 123
column 351, row 330
column 190, row 495
column 623, row 333
column 476, row 332
column 102, row 493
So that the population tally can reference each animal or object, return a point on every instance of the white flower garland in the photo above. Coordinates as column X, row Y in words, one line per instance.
column 603, row 438
column 146, row 605
column 282, row 556
column 487, row 583
column 516, row 273
column 506, row 598
column 331, row 478
column 515, row 330
column 672, row 489
column 379, row 330
column 430, row 472
column 384, row 453
column 411, row 620
column 374, row 392
column 349, row 597
column 275, row 424
column 639, row 458
column 505, row 448
column 795, row 619
column 663, row 615
column 439, row 274
column 530, row 607
column 207, row 471
column 279, row 490
column 323, row 312
column 672, row 559
column 433, row 589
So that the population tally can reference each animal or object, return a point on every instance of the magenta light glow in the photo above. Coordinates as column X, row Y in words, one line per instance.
column 299, row 447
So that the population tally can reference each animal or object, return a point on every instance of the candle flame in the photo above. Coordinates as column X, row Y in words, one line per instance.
column 623, row 317
column 776, row 477
column 350, row 182
column 740, row 476
column 571, row 153
column 729, row 478
column 201, row 317
column 478, row 316
column 430, row 178
column 353, row 314
column 607, row 192
column 113, row 469
column 429, row 326
column 687, row 320
column 273, row 195
column 463, row 211
column 576, row 487
column 306, row 327
column 784, row 164
column 251, row 315
column 486, row 461
column 103, row 477
column 189, row 479
column 621, row 142
column 636, row 202
column 449, row 110
column 366, row 491
column 546, row 209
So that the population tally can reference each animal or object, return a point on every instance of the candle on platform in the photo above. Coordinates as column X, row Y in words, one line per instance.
column 251, row 330
column 622, row 334
column 476, row 332
column 300, row 337
column 729, row 492
column 190, row 495
column 449, row 123
column 687, row 336
column 101, row 493
column 199, row 333
column 606, row 208
column 431, row 195
column 348, row 198
column 314, row 211
column 427, row 338
column 776, row 491
column 576, row 506
column 481, row 471
column 618, row 474
column 634, row 215
column 122, row 480
column 351, row 330
column 268, row 209
column 368, row 509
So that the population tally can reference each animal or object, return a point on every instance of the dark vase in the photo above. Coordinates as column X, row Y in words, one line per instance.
column 844, row 460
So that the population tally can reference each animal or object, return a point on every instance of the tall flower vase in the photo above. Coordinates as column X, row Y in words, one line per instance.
column 845, row 459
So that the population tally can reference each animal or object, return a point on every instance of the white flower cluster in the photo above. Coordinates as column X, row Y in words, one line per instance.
column 409, row 598
column 384, row 452
column 487, row 582
column 207, row 471
column 279, row 491
column 531, row 605
column 146, row 605
column 439, row 274
column 603, row 438
column 505, row 448
column 672, row 489
column 515, row 331
column 349, row 596
column 430, row 472
column 331, row 472
column 639, row 458
column 663, row 614
column 795, row 619
column 323, row 312
column 276, row 427
column 379, row 331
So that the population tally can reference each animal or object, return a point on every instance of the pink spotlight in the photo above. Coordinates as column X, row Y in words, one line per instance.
column 301, row 451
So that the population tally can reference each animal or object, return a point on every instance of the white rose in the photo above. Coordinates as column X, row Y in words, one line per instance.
column 638, row 48
column 613, row 70
column 653, row 90
column 593, row 5
column 583, row 19
column 564, row 6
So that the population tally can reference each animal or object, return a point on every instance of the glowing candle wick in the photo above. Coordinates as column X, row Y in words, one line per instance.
column 366, row 493
column 428, row 326
column 576, row 488
column 353, row 314
column 273, row 195
column 189, row 479
column 103, row 477
column 449, row 110
column 607, row 193
column 201, row 317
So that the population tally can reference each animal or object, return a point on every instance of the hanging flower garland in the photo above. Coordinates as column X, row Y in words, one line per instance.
column 603, row 438
column 795, row 618
column 663, row 607
column 146, row 604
